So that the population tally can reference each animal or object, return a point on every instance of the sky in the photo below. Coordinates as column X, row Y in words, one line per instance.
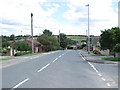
column 68, row 16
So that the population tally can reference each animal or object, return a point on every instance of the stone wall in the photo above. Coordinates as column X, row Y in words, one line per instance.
column 105, row 52
column 117, row 54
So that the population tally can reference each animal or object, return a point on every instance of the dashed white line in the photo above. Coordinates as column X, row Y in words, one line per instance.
column 55, row 59
column 100, row 75
column 43, row 67
column 60, row 56
column 20, row 84
column 108, row 84
column 103, row 79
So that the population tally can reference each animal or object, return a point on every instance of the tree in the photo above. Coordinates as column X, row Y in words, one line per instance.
column 63, row 40
column 49, row 42
column 5, row 44
column 12, row 37
column 109, row 38
column 47, row 32
column 117, row 48
column 22, row 46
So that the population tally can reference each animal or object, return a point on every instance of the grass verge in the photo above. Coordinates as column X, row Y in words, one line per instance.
column 95, row 54
column 5, row 59
column 30, row 54
column 111, row 59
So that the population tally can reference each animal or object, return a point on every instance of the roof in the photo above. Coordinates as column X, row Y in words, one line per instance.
column 95, row 40
column 36, row 43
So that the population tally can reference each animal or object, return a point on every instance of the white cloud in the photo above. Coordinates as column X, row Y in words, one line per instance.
column 102, row 15
column 18, row 11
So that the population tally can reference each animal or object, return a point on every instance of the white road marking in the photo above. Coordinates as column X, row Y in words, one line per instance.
column 60, row 56
column 100, row 75
column 95, row 69
column 20, row 84
column 83, row 59
column 108, row 84
column 43, row 67
column 55, row 59
column 103, row 79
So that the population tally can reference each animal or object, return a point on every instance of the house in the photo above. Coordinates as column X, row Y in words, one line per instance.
column 96, row 46
column 37, row 45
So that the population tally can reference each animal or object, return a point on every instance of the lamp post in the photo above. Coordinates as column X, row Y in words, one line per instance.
column 88, row 30
column 32, row 32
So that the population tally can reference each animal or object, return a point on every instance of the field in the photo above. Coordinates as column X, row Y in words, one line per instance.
column 80, row 38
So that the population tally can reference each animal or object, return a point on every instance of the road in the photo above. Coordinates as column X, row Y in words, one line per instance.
column 61, row 69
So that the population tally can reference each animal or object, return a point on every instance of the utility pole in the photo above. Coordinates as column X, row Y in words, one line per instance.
column 32, row 33
column 88, row 30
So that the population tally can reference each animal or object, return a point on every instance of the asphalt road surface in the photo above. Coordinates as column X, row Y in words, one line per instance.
column 61, row 69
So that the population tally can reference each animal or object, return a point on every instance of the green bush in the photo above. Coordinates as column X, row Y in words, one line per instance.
column 117, row 48
column 21, row 53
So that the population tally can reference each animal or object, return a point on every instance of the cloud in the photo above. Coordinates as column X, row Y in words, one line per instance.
column 101, row 14
column 72, row 19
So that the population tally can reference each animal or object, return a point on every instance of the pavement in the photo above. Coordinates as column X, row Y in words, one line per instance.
column 96, row 59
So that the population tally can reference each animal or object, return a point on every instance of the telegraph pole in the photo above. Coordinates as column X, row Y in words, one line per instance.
column 32, row 32
column 88, row 30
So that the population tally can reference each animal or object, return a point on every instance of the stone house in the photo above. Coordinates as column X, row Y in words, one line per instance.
column 96, row 46
column 37, row 45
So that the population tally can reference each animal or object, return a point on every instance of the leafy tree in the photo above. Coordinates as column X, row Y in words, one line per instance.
column 66, row 42
column 12, row 37
column 5, row 38
column 63, row 40
column 5, row 44
column 109, row 38
column 22, row 46
column 47, row 32
column 49, row 42
column 117, row 48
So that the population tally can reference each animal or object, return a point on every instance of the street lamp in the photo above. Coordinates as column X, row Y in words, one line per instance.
column 88, row 30
column 32, row 32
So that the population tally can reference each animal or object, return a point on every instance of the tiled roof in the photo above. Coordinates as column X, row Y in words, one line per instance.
column 36, row 43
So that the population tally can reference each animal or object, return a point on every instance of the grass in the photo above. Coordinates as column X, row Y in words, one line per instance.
column 18, row 56
column 95, row 54
column 78, row 39
column 30, row 54
column 5, row 59
column 111, row 59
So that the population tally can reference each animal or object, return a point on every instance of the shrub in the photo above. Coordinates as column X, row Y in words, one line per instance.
column 21, row 53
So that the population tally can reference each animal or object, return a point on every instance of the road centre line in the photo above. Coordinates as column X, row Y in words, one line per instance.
column 103, row 79
column 16, row 86
column 55, row 59
column 100, row 74
column 43, row 67
column 60, row 56
column 108, row 84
